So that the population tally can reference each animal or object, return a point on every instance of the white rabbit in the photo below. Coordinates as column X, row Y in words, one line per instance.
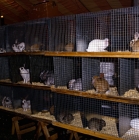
column 18, row 47
column 26, row 105
column 98, row 45
column 21, row 46
column 15, row 48
column 25, row 74
column 135, row 123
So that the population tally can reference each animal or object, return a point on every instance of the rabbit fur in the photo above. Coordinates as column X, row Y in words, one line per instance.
column 98, row 45
column 47, row 77
column 25, row 74
column 75, row 84
column 18, row 47
column 26, row 105
column 134, row 44
column 100, row 84
column 6, row 102
column 96, row 124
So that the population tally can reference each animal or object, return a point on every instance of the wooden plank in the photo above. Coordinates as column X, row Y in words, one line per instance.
column 78, row 54
column 97, row 96
column 27, row 130
column 85, row 131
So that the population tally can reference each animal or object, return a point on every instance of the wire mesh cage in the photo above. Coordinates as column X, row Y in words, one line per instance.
column 36, row 35
column 68, row 70
column 42, row 101
column 62, row 33
column 67, row 109
column 100, row 115
column 42, row 70
column 6, row 97
column 22, row 99
column 3, row 39
column 5, row 75
column 20, row 68
column 15, row 37
column 129, row 121
column 93, row 26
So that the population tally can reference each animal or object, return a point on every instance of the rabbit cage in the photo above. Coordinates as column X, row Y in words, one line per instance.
column 95, row 77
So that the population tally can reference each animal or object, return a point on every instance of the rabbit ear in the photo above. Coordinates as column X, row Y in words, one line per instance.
column 136, row 36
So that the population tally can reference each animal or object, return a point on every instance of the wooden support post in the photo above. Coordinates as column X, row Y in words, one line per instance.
column 21, row 129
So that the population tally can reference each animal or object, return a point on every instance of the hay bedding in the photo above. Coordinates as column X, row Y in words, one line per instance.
column 6, row 80
column 131, row 134
column 20, row 110
column 110, row 128
column 45, row 115
column 77, row 120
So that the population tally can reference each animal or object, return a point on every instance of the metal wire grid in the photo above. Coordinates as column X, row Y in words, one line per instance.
column 36, row 33
column 127, row 127
column 126, row 75
column 65, row 105
column 14, row 32
column 20, row 94
column 5, row 91
column 92, row 26
column 62, row 33
column 65, row 69
column 2, row 38
column 15, row 62
column 41, row 100
column 39, row 64
column 4, row 67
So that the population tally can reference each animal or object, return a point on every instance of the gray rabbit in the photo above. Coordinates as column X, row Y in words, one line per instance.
column 96, row 124
column 65, row 117
column 75, row 84
column 47, row 77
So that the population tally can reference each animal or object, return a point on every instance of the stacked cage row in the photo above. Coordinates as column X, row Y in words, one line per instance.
column 111, row 76
column 106, row 117
column 112, row 30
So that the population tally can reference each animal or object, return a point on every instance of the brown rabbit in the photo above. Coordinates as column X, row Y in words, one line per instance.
column 100, row 84
column 134, row 44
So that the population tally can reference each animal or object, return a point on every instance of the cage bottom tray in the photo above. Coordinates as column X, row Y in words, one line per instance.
column 131, row 134
column 45, row 115
column 110, row 128
column 6, row 80
column 21, row 111
column 77, row 120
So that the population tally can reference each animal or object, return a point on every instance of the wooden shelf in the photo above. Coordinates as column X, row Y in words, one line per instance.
column 77, row 54
column 85, row 131
column 97, row 96
column 26, row 85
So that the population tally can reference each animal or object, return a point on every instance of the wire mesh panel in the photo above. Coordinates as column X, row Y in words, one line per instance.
column 42, row 70
column 20, row 68
column 66, row 108
column 5, row 75
column 36, row 36
column 126, row 75
column 15, row 37
column 62, row 33
column 91, row 31
column 100, row 115
column 22, row 99
column 42, row 101
column 6, row 97
column 100, row 75
column 3, row 39
column 129, row 121
column 68, row 70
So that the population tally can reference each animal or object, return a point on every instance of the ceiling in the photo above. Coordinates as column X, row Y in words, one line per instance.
column 22, row 10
